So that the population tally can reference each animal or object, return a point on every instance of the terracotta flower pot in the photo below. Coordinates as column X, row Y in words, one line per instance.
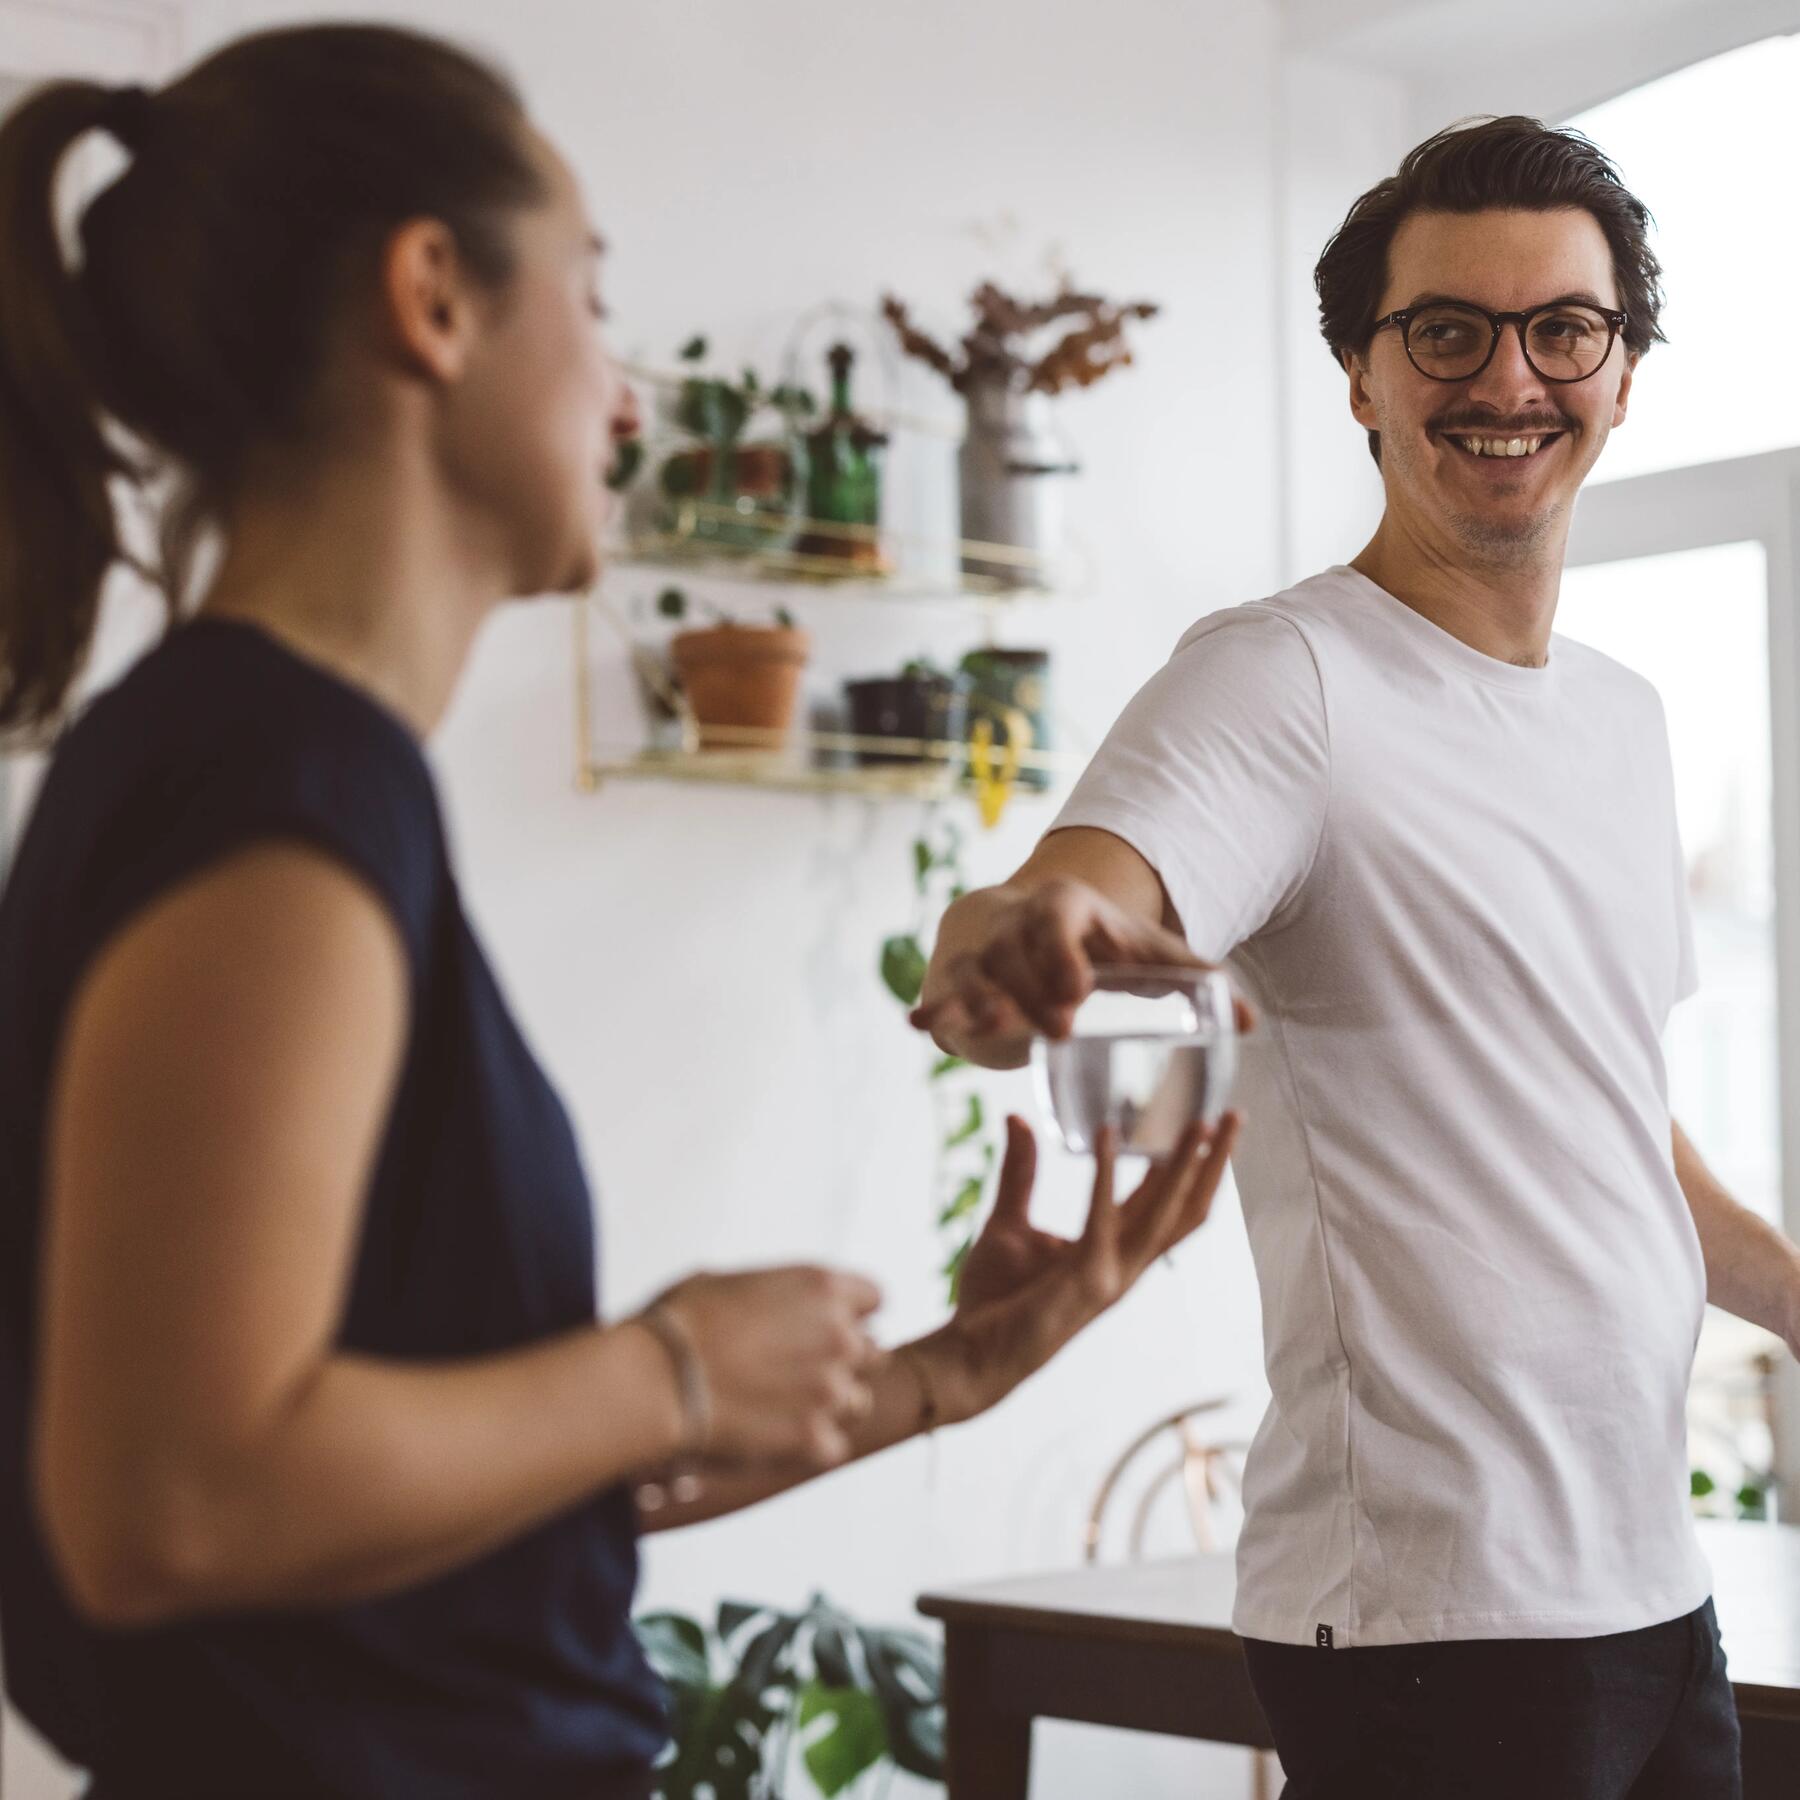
column 741, row 676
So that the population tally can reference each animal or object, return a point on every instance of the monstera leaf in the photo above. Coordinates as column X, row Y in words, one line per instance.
column 856, row 1742
column 763, row 1684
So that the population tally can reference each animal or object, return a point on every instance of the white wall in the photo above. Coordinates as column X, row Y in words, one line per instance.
column 696, row 966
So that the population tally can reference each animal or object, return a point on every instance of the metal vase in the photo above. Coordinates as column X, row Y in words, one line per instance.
column 1014, row 470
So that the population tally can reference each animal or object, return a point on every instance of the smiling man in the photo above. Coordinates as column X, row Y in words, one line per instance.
column 1437, row 846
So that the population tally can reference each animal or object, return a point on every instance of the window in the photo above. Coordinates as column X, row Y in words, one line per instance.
column 1712, row 150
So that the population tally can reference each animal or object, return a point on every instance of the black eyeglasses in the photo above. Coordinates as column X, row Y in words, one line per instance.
column 1454, row 340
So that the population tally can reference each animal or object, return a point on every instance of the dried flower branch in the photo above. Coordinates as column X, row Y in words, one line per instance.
column 997, row 347
column 915, row 343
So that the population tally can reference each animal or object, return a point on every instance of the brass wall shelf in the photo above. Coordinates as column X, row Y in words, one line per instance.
column 798, row 761
column 771, row 769
column 740, row 543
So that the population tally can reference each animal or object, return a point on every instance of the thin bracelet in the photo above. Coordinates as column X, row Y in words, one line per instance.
column 690, row 1374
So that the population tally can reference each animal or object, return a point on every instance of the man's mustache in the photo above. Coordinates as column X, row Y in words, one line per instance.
column 1488, row 426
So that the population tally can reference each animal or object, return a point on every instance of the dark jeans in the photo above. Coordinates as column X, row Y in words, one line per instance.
column 1641, row 1715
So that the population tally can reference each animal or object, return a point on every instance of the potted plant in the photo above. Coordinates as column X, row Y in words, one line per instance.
column 751, row 489
column 923, row 703
column 1014, row 465
column 739, row 678
column 1011, row 687
column 760, row 1691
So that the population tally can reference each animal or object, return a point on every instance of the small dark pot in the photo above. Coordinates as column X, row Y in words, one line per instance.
column 931, row 708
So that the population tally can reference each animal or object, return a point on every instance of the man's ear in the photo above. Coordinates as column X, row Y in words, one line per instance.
column 1619, row 405
column 427, row 313
column 1362, row 404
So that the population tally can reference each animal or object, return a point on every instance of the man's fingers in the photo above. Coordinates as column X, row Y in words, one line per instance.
column 1120, row 938
column 1052, row 942
column 1007, row 963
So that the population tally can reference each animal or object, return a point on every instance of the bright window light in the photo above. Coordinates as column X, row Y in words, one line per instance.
column 1712, row 150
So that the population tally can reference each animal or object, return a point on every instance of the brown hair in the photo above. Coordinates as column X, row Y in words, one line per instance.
column 261, row 186
column 1511, row 162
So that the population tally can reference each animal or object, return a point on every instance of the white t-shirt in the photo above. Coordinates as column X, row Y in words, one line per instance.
column 1453, row 887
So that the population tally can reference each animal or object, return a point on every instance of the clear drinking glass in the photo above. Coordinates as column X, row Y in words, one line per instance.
column 1150, row 1051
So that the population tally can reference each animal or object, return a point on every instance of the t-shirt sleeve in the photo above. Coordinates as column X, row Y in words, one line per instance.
column 355, row 795
column 1219, row 775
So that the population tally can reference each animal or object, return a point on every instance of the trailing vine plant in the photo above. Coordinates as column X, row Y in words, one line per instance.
column 968, row 1150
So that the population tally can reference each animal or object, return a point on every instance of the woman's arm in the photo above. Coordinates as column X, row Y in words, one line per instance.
column 222, row 1089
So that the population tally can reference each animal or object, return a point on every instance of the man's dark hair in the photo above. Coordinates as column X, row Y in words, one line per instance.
column 1513, row 162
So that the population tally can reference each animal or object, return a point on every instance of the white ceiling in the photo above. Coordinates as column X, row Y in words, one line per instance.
column 1553, row 56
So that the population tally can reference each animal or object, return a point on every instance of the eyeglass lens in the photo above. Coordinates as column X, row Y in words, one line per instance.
column 1563, row 343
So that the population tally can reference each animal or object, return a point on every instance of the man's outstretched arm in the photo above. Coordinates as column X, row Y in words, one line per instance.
column 1751, row 1269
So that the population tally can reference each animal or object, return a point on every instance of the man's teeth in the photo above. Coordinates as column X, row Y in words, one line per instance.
column 1493, row 446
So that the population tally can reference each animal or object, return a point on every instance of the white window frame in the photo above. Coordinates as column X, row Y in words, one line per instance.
column 1738, row 500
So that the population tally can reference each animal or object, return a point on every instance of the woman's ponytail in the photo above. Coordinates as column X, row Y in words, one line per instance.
column 58, row 534
column 211, row 277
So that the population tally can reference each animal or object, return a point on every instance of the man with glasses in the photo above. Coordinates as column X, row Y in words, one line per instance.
column 1438, row 846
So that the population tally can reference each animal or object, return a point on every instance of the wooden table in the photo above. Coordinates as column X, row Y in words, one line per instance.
column 1149, row 1646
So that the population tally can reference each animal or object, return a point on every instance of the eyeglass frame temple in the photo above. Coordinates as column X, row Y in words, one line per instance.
column 1497, row 322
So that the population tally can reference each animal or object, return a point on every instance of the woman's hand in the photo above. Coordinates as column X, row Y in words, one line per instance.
column 1025, row 1293
column 785, row 1357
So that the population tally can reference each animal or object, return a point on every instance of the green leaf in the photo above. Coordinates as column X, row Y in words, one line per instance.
column 973, row 1120
column 903, row 968
column 831, row 1656
column 1752, row 1501
column 627, row 460
column 694, row 350
column 790, row 399
column 676, row 1647
column 967, row 1201
column 671, row 603
column 947, row 1065
column 918, row 1747
column 923, row 862
column 906, row 1667
column 764, row 1663
column 784, row 618
column 1700, row 1484
column 734, row 1615
column 855, row 1743
column 954, row 1267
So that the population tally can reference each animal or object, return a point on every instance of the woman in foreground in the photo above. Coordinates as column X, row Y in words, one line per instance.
column 319, row 1475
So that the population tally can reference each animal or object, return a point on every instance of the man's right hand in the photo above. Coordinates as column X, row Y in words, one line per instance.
column 1027, row 962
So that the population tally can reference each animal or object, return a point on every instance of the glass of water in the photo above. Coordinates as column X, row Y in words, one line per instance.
column 1150, row 1052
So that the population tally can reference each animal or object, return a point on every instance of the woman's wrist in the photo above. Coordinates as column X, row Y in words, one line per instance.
column 952, row 1384
column 661, row 1378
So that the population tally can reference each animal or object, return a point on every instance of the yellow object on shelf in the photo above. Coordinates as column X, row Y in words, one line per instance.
column 993, row 787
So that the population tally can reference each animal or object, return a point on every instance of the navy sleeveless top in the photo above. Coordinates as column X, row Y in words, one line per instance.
column 518, row 1674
